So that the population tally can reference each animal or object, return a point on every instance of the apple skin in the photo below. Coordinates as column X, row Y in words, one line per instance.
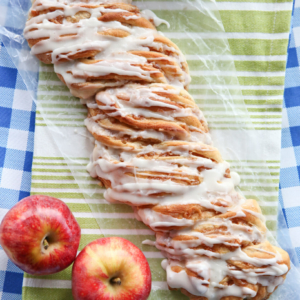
column 33, row 220
column 103, row 261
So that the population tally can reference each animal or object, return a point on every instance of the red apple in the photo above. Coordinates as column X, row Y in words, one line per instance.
column 40, row 235
column 111, row 269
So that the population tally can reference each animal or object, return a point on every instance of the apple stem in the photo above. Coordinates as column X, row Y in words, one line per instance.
column 116, row 281
column 45, row 244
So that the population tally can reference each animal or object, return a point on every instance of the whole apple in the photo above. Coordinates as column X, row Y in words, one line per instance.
column 111, row 268
column 40, row 235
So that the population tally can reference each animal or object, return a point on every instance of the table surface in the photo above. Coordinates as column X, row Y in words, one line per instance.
column 289, row 186
column 16, row 149
column 17, row 122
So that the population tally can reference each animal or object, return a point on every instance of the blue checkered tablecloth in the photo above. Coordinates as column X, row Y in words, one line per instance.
column 17, row 123
column 289, row 189
column 17, row 119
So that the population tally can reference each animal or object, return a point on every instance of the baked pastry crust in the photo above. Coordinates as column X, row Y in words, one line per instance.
column 96, row 45
column 153, row 150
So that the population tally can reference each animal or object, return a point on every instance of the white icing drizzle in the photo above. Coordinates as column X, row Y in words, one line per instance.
column 113, row 165
column 196, row 252
column 144, row 97
column 137, row 101
column 155, row 219
column 112, row 53
column 213, row 239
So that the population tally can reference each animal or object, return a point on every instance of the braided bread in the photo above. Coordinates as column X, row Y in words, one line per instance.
column 153, row 150
column 94, row 46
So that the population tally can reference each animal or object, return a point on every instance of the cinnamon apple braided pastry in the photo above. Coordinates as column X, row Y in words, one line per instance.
column 95, row 44
column 153, row 150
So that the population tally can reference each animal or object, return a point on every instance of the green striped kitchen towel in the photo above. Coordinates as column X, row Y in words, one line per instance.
column 237, row 68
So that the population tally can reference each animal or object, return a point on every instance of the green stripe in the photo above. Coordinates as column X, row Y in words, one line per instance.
column 259, row 188
column 42, row 97
column 263, row 122
column 135, row 239
column 71, row 195
column 239, row 101
column 245, row 128
column 58, row 164
column 59, row 170
column 258, row 47
column 237, row 46
column 44, row 75
column 60, row 119
column 256, row 21
column 254, row 1
column 263, row 92
column 269, row 210
column 61, row 88
column 265, row 116
column 106, row 223
column 256, row 160
column 67, row 113
column 271, row 225
column 67, row 177
column 31, row 293
column 66, row 294
column 243, row 80
column 263, row 198
column 61, row 105
column 216, row 91
column 250, row 109
column 100, row 207
column 267, row 128
column 261, row 180
column 249, row 66
column 59, row 125
column 59, row 158
column 260, row 66
column 233, row 21
column 63, row 186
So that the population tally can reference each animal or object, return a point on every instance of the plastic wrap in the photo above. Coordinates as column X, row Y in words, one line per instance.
column 232, row 130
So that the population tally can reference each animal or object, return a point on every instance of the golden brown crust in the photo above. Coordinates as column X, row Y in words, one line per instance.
column 163, row 62
column 168, row 100
column 266, row 250
column 124, row 18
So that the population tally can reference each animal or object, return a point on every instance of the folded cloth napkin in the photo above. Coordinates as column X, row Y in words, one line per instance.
column 289, row 193
column 257, row 32
column 17, row 124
